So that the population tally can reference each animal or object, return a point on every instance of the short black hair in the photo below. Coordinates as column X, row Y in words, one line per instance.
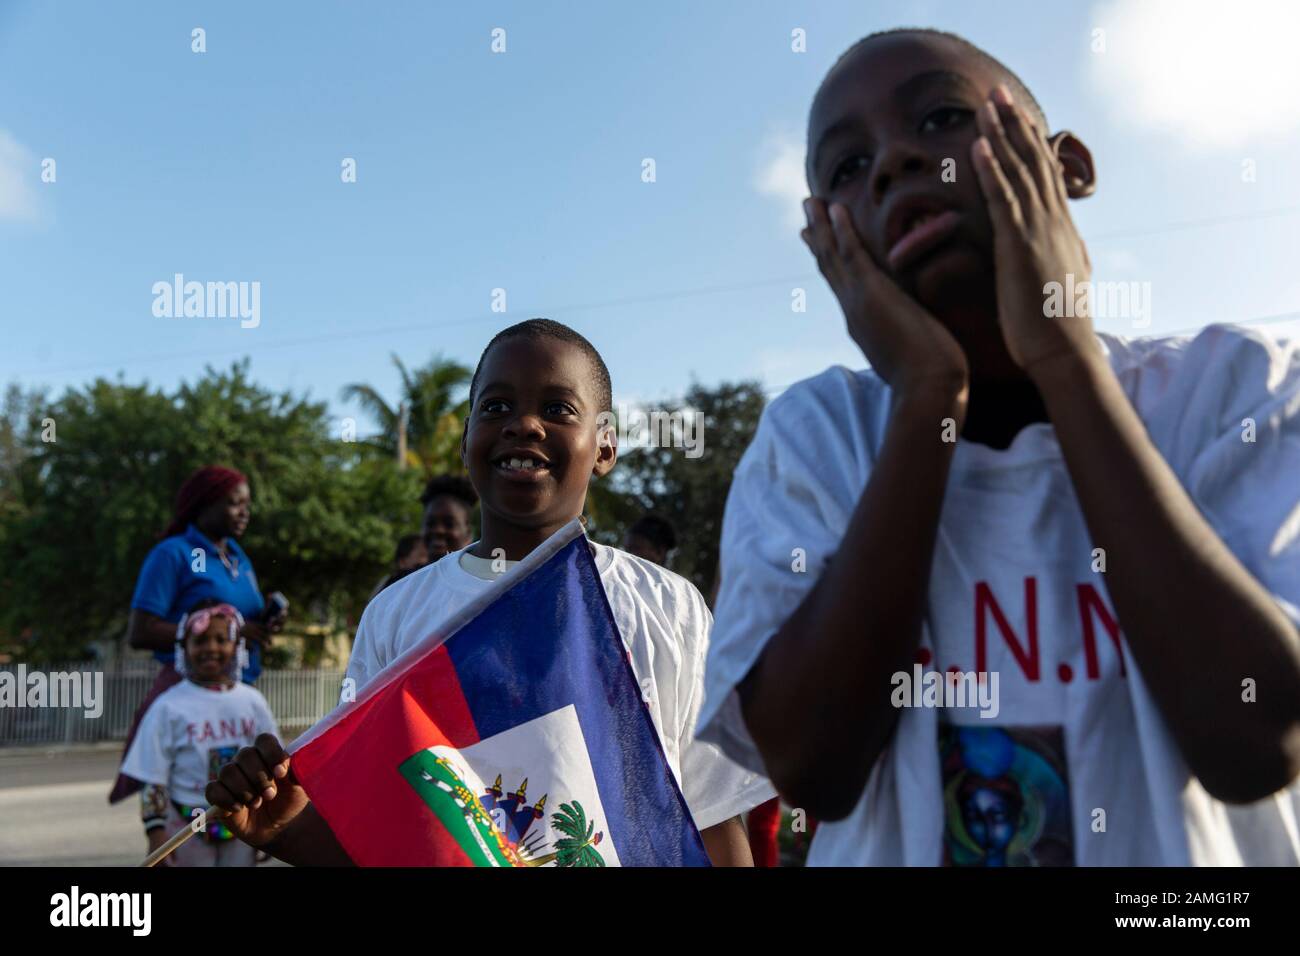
column 656, row 529
column 451, row 486
column 397, row 576
column 1018, row 86
column 534, row 329
column 405, row 545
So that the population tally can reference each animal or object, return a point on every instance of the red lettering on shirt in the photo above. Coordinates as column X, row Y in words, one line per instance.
column 1027, row 659
column 1090, row 601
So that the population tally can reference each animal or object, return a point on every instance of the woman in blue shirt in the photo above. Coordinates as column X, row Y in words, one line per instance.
column 197, row 559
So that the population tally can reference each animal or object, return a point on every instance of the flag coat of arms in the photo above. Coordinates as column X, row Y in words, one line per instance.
column 514, row 735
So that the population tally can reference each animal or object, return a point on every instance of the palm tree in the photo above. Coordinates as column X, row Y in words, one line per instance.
column 578, row 845
column 434, row 419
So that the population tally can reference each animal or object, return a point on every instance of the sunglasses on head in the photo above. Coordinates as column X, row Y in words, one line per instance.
column 198, row 621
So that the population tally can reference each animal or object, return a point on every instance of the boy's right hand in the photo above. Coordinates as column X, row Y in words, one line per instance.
column 905, row 344
column 258, row 792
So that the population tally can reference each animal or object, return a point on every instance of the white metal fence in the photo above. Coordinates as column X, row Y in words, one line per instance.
column 298, row 698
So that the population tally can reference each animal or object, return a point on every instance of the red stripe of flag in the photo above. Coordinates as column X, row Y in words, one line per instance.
column 375, row 816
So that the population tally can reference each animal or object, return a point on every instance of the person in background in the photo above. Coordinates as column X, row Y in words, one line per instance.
column 191, row 731
column 412, row 554
column 652, row 538
column 449, row 502
column 197, row 558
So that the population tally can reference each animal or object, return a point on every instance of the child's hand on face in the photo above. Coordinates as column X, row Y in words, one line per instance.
column 906, row 345
column 1035, row 241
column 258, row 793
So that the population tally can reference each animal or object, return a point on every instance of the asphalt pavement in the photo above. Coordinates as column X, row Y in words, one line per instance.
column 54, row 809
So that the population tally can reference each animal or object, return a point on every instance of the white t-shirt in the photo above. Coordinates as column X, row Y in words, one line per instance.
column 664, row 623
column 1077, row 745
column 191, row 731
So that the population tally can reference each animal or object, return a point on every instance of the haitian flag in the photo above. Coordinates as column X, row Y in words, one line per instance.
column 515, row 735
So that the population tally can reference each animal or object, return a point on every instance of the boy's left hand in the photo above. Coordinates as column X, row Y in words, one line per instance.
column 1035, row 241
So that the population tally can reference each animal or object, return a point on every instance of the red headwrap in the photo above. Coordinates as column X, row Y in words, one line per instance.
column 205, row 486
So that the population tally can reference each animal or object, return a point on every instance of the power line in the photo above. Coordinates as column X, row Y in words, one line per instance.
column 427, row 326
column 1193, row 224
column 643, row 299
column 1256, row 320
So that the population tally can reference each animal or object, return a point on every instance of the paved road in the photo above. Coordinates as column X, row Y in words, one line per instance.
column 54, row 809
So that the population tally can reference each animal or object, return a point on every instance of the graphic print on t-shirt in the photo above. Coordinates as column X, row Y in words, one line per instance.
column 1006, row 796
column 218, row 757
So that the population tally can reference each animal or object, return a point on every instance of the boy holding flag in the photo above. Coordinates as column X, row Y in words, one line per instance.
column 531, row 444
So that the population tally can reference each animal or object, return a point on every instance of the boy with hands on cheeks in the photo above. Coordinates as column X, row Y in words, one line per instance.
column 1122, row 734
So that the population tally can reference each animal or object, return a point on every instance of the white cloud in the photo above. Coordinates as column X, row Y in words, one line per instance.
column 19, row 173
column 780, row 176
column 1213, row 73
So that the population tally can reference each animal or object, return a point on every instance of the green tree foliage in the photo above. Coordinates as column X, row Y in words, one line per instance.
column 689, row 492
column 78, row 514
column 88, row 506
column 435, row 416
column 19, row 410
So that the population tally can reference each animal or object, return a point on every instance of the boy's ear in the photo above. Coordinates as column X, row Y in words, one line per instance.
column 606, row 446
column 464, row 438
column 1076, row 164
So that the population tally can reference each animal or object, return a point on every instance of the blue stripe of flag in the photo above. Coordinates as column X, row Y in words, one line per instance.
column 551, row 641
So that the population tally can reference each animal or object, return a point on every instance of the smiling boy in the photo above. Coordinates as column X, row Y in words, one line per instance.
column 532, row 443
column 1116, row 534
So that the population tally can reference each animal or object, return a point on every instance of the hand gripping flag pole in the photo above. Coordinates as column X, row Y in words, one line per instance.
column 178, row 838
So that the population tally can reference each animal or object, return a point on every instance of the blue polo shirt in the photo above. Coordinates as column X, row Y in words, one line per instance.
column 169, row 585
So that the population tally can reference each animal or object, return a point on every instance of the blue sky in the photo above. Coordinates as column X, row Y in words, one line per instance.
column 522, row 170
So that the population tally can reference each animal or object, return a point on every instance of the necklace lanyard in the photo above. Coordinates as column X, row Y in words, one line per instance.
column 232, row 568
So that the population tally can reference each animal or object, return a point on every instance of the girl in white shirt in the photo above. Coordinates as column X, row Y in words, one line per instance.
column 192, row 730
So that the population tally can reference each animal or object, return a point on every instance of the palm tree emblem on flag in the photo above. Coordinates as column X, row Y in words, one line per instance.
column 577, row 847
